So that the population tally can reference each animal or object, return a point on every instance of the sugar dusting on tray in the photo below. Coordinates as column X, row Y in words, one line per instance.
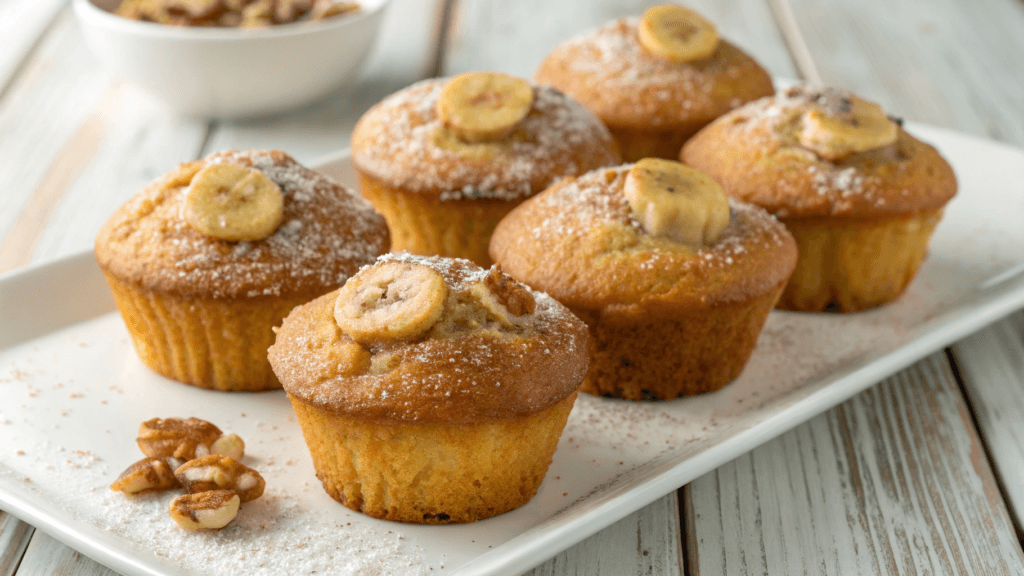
column 55, row 446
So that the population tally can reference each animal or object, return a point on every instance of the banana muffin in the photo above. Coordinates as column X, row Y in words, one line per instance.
column 655, row 80
column 208, row 258
column 431, row 390
column 445, row 159
column 860, row 195
column 674, row 280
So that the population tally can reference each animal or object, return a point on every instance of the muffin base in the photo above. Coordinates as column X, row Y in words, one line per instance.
column 637, row 144
column 849, row 265
column 426, row 225
column 432, row 473
column 700, row 352
column 221, row 345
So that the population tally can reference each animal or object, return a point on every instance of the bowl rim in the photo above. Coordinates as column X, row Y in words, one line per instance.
column 87, row 10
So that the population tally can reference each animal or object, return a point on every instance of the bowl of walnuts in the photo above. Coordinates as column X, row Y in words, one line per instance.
column 232, row 58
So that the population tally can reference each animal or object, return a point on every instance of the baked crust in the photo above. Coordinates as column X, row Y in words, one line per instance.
column 402, row 143
column 327, row 233
column 609, row 72
column 754, row 154
column 472, row 375
column 579, row 242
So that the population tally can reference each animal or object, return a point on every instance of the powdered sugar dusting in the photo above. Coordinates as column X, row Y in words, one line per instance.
column 578, row 207
column 328, row 231
column 613, row 54
column 609, row 71
column 772, row 124
column 478, row 372
column 397, row 142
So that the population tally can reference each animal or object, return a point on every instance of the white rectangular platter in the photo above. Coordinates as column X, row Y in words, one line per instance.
column 73, row 392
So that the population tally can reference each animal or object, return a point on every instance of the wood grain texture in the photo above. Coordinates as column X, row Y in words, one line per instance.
column 894, row 481
column 78, row 157
column 48, row 557
column 14, row 538
column 404, row 54
column 991, row 364
column 953, row 63
column 22, row 24
column 513, row 37
column 126, row 142
column 38, row 119
column 647, row 542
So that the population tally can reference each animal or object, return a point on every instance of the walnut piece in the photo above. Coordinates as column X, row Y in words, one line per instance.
column 510, row 293
column 177, row 438
column 215, row 472
column 211, row 510
column 148, row 475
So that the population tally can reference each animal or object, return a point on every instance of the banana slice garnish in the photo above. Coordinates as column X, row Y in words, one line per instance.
column 234, row 203
column 676, row 33
column 390, row 301
column 482, row 106
column 855, row 125
column 677, row 202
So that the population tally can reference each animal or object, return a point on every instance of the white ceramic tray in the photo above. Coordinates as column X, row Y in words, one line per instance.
column 72, row 394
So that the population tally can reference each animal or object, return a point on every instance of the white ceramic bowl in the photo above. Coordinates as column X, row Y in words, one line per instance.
column 228, row 72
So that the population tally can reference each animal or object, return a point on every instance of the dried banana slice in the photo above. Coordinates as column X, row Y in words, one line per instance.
column 677, row 202
column 854, row 125
column 234, row 203
column 390, row 301
column 676, row 33
column 482, row 106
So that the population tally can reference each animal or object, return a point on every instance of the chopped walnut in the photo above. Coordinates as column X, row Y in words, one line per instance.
column 174, row 437
column 148, row 475
column 513, row 295
column 211, row 510
column 215, row 472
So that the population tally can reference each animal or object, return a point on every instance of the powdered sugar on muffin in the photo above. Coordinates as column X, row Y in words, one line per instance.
column 397, row 142
column 326, row 233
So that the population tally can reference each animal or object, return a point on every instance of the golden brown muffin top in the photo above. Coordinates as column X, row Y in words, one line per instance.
column 327, row 233
column 468, row 365
column 754, row 152
column 580, row 242
column 402, row 142
column 614, row 76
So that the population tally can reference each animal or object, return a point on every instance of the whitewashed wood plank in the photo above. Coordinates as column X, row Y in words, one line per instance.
column 405, row 53
column 135, row 140
column 991, row 364
column 954, row 63
column 22, row 25
column 513, row 37
column 893, row 481
column 39, row 115
column 48, row 557
column 14, row 538
column 645, row 542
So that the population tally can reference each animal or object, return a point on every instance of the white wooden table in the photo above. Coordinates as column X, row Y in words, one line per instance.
column 890, row 482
